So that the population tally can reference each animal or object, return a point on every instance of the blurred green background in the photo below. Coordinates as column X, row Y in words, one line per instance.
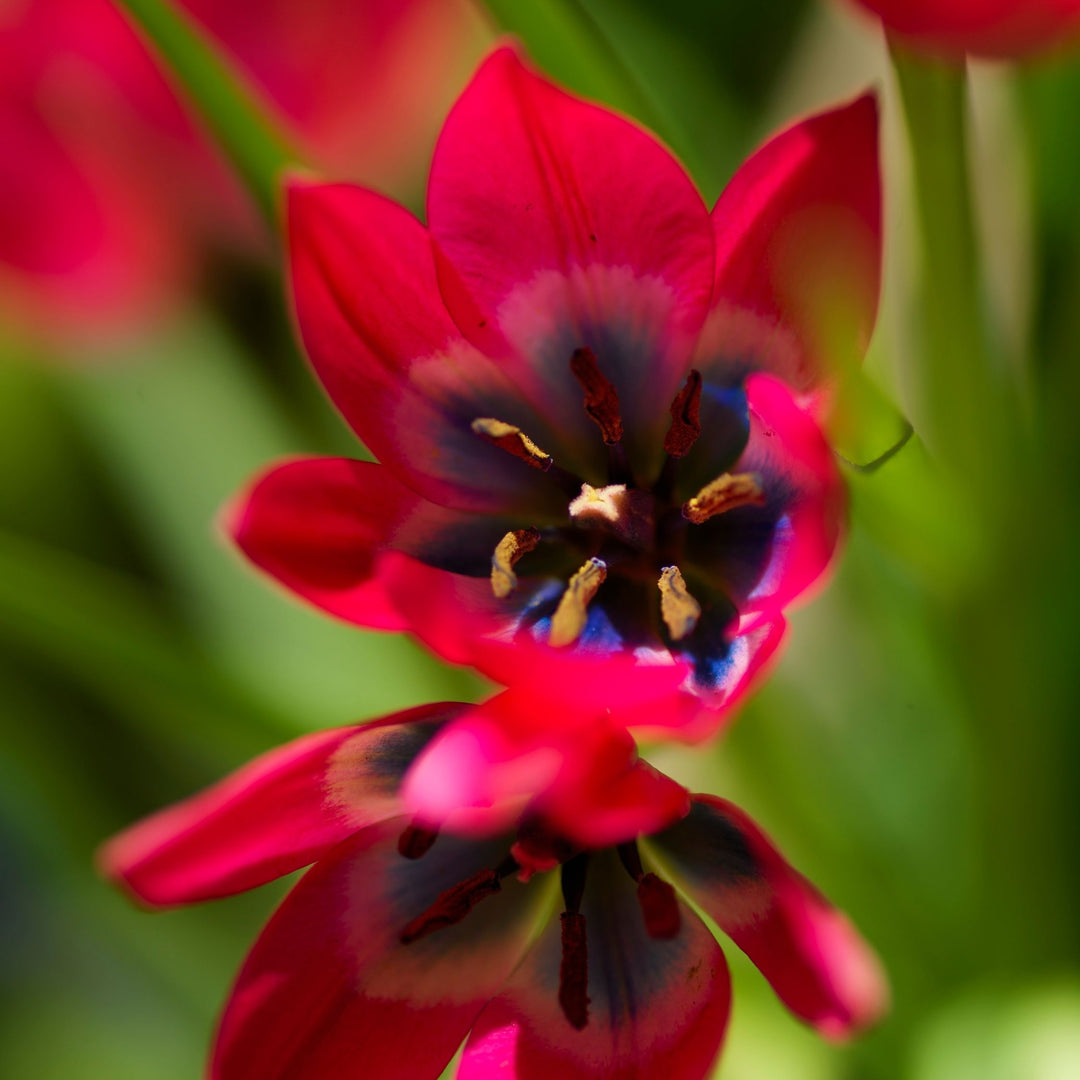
column 916, row 753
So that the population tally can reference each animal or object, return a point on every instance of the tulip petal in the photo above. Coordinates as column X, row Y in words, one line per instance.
column 570, row 764
column 659, row 1008
column 798, row 261
column 329, row 990
column 317, row 525
column 813, row 957
column 393, row 361
column 280, row 812
column 569, row 226
column 763, row 557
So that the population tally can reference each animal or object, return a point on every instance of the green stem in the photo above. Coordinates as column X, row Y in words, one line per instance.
column 249, row 138
column 956, row 376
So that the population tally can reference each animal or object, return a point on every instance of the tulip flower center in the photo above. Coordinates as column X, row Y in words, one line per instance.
column 625, row 539
column 536, row 852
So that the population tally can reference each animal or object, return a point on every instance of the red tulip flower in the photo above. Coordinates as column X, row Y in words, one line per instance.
column 402, row 940
column 106, row 190
column 359, row 84
column 592, row 400
column 1000, row 29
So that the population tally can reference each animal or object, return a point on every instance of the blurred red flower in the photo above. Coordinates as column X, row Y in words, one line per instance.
column 361, row 85
column 106, row 189
column 1000, row 29
column 110, row 194
column 403, row 938
column 593, row 402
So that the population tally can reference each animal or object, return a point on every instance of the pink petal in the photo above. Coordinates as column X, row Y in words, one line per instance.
column 274, row 815
column 329, row 990
column 813, row 957
column 1000, row 29
column 698, row 712
column 521, row 753
column 764, row 557
column 391, row 358
column 317, row 525
column 566, row 225
column 798, row 265
column 658, row 1008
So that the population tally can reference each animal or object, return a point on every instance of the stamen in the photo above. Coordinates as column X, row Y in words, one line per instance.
column 456, row 902
column 685, row 418
column 679, row 609
column 572, row 613
column 415, row 841
column 656, row 898
column 659, row 908
column 574, row 966
column 601, row 397
column 513, row 440
column 574, row 971
column 507, row 553
column 728, row 491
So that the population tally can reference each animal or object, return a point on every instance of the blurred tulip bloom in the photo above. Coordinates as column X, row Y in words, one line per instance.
column 997, row 29
column 593, row 403
column 402, row 938
column 106, row 189
column 360, row 84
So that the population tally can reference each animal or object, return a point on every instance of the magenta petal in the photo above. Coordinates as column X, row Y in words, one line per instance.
column 571, row 765
column 764, row 557
column 329, row 990
column 570, row 226
column 813, row 957
column 658, row 1008
column 392, row 359
column 798, row 266
column 317, row 525
column 274, row 815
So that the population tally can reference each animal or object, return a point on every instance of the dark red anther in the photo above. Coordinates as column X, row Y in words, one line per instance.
column 415, row 842
column 574, row 970
column 601, row 397
column 659, row 907
column 685, row 418
column 453, row 905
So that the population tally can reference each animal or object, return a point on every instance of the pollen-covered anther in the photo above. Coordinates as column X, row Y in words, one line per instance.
column 601, row 397
column 573, row 611
column 659, row 908
column 727, row 492
column 680, row 611
column 685, row 426
column 513, row 440
column 453, row 905
column 508, row 551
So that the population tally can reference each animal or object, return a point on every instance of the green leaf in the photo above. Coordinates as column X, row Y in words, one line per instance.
column 181, row 431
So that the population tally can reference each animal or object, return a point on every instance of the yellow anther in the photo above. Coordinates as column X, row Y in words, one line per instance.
column 727, row 492
column 507, row 552
column 513, row 440
column 573, row 611
column 679, row 609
